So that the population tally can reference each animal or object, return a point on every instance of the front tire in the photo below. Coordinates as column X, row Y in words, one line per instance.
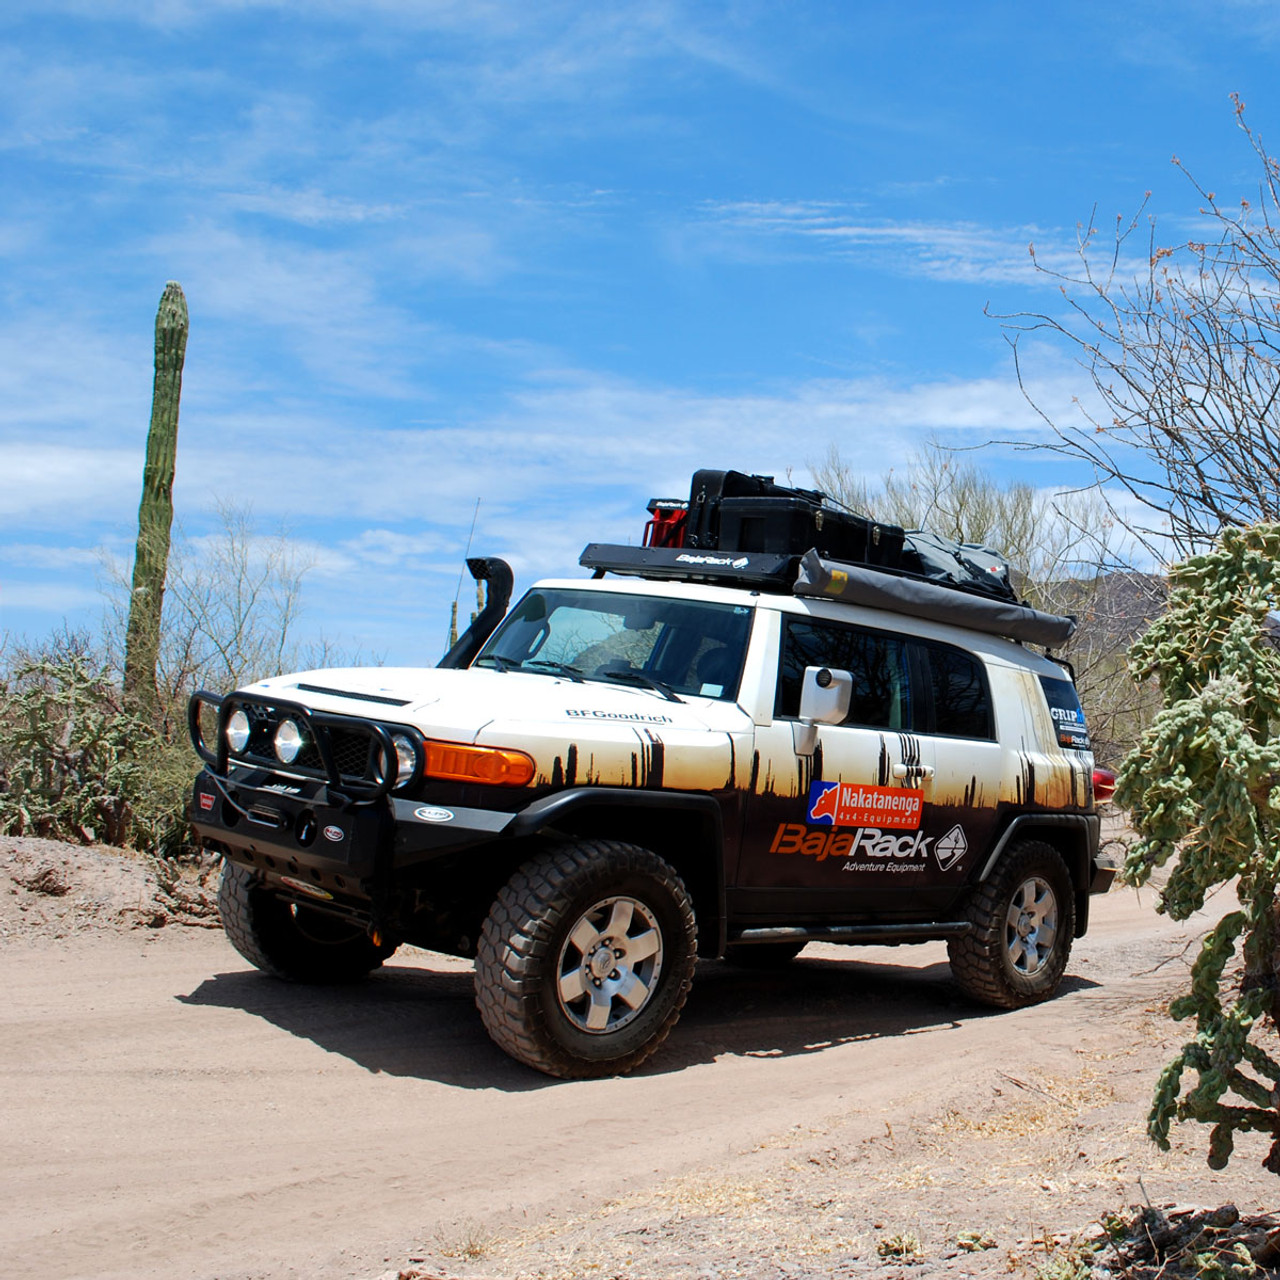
column 1023, row 920
column 586, row 959
column 291, row 941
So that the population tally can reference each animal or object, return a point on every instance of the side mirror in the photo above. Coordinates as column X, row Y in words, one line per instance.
column 824, row 699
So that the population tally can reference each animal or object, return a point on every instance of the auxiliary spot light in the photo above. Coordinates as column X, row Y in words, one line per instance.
column 238, row 730
column 289, row 741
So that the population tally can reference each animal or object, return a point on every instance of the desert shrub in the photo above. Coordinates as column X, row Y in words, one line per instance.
column 76, row 763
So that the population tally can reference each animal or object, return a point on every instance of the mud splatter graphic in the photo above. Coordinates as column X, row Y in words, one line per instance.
column 1026, row 780
column 807, row 769
column 1081, row 785
column 652, row 759
column 882, row 768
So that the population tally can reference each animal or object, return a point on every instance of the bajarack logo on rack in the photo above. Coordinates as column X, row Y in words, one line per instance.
column 715, row 562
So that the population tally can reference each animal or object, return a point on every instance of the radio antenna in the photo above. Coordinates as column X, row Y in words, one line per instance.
column 453, row 613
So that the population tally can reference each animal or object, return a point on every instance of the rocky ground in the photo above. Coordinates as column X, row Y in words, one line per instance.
column 56, row 890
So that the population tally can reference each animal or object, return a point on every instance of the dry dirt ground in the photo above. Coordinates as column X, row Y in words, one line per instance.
column 166, row 1111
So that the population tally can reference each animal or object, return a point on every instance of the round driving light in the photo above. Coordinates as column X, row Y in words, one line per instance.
column 406, row 758
column 288, row 742
column 238, row 730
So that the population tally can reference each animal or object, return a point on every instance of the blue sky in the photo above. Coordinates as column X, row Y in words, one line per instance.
column 551, row 256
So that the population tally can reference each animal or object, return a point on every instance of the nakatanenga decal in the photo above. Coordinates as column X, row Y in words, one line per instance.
column 848, row 804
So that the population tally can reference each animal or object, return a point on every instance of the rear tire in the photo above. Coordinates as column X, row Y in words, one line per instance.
column 1023, row 919
column 586, row 959
column 290, row 941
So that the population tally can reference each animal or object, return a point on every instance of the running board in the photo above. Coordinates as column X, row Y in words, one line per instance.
column 868, row 933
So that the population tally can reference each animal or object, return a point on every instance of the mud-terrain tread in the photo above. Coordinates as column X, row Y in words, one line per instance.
column 516, row 940
column 978, row 957
column 258, row 926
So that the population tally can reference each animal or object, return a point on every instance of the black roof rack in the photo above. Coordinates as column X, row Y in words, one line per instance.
column 762, row 570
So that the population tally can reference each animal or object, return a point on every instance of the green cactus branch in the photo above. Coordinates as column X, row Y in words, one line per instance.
column 1203, row 790
column 155, row 512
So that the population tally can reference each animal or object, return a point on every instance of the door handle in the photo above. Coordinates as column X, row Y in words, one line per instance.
column 921, row 771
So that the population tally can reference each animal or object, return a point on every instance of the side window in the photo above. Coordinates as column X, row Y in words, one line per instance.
column 961, row 698
column 876, row 660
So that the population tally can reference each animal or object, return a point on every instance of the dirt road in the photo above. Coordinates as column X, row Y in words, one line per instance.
column 164, row 1110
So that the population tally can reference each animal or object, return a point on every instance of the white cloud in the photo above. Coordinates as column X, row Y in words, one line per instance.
column 47, row 597
column 963, row 252
column 75, row 371
column 33, row 555
column 66, row 485
column 310, row 207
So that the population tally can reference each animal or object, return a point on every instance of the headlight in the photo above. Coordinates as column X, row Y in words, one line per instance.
column 288, row 742
column 238, row 730
column 406, row 759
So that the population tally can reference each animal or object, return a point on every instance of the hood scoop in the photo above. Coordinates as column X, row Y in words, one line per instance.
column 359, row 697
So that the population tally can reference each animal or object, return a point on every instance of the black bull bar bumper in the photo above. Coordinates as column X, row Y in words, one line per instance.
column 328, row 831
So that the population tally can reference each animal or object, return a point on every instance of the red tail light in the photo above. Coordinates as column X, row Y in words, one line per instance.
column 1104, row 785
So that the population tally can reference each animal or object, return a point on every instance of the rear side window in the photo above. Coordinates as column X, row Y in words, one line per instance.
column 961, row 699
column 1068, row 718
column 876, row 660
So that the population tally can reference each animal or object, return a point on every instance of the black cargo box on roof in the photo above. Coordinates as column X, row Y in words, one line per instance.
column 732, row 511
column 746, row 530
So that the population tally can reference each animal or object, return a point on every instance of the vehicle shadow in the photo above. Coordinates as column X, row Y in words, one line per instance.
column 421, row 1022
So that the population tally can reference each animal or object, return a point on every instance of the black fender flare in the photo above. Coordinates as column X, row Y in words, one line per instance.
column 543, row 817
column 1082, row 867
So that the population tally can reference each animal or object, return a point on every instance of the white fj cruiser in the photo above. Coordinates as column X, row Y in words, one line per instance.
column 727, row 749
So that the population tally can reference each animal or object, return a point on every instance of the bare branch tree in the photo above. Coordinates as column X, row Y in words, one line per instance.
column 1067, row 553
column 1182, row 345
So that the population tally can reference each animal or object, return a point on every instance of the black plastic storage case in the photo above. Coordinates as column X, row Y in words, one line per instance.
column 709, row 491
column 730, row 511
column 797, row 525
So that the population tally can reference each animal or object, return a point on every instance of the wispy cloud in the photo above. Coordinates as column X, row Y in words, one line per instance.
column 310, row 207
column 964, row 252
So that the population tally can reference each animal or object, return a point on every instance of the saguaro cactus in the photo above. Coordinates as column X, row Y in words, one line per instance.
column 155, row 513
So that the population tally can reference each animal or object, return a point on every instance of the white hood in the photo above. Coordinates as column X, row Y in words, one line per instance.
column 606, row 725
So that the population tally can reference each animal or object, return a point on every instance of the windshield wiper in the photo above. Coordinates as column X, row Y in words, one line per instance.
column 552, row 668
column 648, row 681
column 500, row 664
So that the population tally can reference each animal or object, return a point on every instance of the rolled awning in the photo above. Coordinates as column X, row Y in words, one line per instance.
column 833, row 580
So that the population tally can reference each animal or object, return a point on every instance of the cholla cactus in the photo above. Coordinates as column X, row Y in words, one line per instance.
column 155, row 512
column 1203, row 788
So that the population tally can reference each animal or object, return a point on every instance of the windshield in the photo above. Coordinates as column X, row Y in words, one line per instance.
column 677, row 646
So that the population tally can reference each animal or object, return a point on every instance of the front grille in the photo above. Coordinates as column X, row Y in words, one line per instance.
column 351, row 751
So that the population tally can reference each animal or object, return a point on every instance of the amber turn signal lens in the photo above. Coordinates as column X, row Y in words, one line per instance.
column 497, row 766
